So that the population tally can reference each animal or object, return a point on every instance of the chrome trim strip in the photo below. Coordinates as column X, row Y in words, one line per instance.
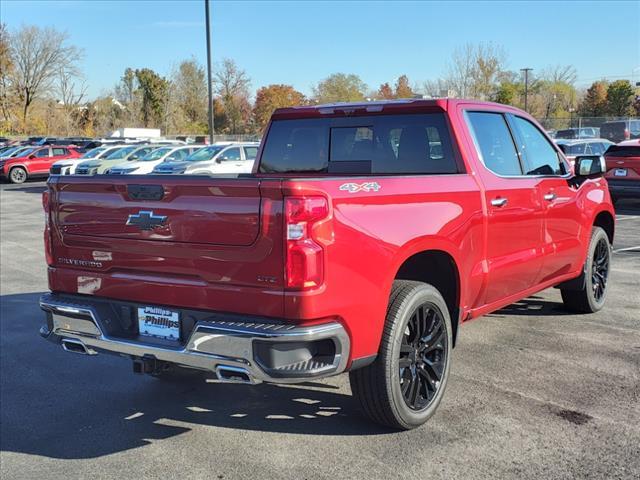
column 211, row 345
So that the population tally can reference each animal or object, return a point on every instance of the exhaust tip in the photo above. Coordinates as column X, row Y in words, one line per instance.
column 76, row 346
column 233, row 374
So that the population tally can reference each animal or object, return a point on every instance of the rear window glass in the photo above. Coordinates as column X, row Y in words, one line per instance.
column 383, row 144
column 623, row 151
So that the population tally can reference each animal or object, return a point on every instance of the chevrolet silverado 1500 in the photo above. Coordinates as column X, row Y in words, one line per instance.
column 365, row 236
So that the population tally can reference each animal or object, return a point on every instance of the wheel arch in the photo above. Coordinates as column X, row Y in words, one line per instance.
column 606, row 221
column 438, row 268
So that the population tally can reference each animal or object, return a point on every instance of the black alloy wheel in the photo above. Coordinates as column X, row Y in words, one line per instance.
column 600, row 269
column 423, row 353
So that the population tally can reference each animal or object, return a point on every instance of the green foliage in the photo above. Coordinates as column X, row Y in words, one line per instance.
column 340, row 87
column 620, row 97
column 508, row 93
column 153, row 89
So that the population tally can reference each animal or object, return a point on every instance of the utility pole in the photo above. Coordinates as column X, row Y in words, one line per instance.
column 526, row 88
column 209, row 84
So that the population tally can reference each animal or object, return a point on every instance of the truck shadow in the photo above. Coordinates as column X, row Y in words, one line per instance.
column 532, row 306
column 36, row 188
column 57, row 404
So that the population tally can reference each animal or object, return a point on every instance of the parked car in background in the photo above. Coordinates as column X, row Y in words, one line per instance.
column 35, row 162
column 584, row 132
column 121, row 155
column 15, row 151
column 68, row 166
column 152, row 159
column 623, row 169
column 220, row 158
column 573, row 148
column 620, row 130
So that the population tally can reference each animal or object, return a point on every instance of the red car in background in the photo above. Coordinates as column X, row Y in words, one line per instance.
column 35, row 162
column 623, row 169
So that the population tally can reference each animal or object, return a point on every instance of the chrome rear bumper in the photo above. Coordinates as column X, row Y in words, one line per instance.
column 218, row 347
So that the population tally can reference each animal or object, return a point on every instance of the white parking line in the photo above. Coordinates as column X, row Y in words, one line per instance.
column 627, row 249
column 626, row 217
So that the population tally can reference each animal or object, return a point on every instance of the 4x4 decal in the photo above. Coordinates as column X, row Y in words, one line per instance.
column 360, row 187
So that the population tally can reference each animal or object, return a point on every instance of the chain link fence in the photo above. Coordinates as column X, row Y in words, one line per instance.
column 555, row 124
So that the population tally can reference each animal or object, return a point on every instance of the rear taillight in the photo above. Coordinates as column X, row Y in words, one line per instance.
column 48, row 253
column 305, row 254
column 627, row 134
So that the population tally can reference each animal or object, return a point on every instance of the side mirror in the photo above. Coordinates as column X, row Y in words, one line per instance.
column 590, row 166
column 31, row 156
column 222, row 158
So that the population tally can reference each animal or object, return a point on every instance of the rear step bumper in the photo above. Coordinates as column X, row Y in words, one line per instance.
column 235, row 351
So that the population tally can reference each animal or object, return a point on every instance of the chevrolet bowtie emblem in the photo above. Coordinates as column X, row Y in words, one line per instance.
column 146, row 220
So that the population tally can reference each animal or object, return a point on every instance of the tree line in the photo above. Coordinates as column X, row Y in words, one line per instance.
column 42, row 91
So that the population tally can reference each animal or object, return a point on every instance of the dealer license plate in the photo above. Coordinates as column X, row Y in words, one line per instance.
column 620, row 172
column 159, row 322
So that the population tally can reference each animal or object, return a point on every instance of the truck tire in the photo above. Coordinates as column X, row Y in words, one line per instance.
column 18, row 175
column 403, row 387
column 591, row 297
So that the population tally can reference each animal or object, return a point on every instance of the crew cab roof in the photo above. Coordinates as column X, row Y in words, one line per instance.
column 407, row 105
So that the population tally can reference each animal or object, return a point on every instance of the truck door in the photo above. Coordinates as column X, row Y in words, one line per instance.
column 514, row 210
column 562, row 216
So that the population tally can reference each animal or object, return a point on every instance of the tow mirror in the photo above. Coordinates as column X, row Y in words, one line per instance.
column 588, row 166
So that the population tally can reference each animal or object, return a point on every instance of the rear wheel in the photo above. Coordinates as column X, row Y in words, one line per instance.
column 591, row 297
column 17, row 175
column 403, row 387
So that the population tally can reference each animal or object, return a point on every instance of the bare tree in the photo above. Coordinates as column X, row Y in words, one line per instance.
column 231, row 84
column 38, row 54
column 6, row 70
column 474, row 70
column 488, row 62
column 72, row 90
column 461, row 70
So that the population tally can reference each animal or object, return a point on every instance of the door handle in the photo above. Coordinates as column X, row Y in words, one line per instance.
column 499, row 202
column 550, row 197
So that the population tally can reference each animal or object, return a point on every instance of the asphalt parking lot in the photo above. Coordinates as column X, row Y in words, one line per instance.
column 534, row 393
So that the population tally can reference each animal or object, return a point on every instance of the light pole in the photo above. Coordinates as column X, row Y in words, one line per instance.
column 209, row 84
column 526, row 88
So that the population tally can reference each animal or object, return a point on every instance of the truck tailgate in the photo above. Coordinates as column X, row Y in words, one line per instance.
column 197, row 242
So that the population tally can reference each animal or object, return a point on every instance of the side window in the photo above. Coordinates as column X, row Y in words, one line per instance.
column 250, row 153
column 494, row 143
column 178, row 155
column 59, row 151
column 539, row 155
column 43, row 152
column 231, row 154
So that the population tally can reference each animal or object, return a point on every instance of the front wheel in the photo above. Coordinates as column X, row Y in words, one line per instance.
column 17, row 175
column 403, row 387
column 590, row 298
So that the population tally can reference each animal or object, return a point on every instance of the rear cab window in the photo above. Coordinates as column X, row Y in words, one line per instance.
column 376, row 144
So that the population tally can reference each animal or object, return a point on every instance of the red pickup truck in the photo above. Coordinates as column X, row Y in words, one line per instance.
column 366, row 234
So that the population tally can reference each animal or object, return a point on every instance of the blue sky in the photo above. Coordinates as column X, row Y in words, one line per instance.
column 301, row 42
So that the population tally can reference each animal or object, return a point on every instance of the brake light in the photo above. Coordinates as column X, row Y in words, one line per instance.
column 48, row 252
column 627, row 134
column 305, row 255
